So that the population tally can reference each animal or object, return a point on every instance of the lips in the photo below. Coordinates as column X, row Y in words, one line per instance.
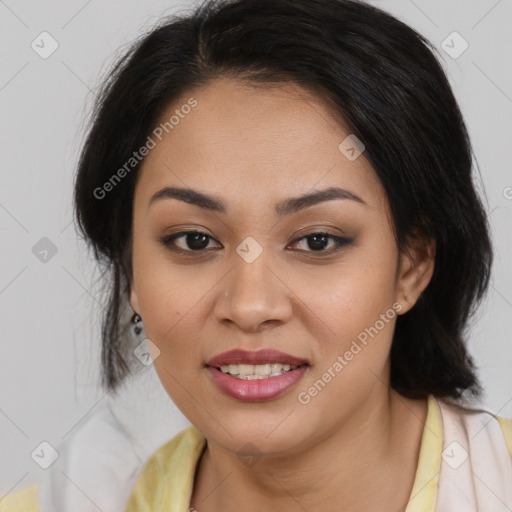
column 256, row 390
column 264, row 356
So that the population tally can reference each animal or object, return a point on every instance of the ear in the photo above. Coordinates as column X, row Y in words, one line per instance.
column 134, row 299
column 415, row 271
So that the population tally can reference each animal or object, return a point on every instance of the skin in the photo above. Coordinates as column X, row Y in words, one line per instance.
column 254, row 147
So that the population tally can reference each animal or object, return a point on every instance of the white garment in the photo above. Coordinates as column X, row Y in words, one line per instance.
column 100, row 460
column 476, row 467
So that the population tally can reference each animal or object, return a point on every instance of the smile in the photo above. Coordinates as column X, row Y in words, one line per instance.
column 256, row 371
column 256, row 376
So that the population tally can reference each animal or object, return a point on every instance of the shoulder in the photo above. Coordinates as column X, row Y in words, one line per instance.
column 167, row 477
column 24, row 499
column 185, row 446
column 476, row 467
column 478, row 424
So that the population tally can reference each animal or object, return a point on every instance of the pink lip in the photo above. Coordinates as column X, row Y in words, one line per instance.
column 256, row 390
column 240, row 356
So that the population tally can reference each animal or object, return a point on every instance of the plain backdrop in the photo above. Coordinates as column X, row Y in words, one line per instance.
column 49, row 303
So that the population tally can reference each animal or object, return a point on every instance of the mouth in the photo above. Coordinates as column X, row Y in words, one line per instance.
column 256, row 376
column 257, row 371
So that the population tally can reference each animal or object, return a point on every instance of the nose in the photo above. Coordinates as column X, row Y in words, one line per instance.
column 254, row 296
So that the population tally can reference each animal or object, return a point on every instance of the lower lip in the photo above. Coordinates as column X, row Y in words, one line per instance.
column 256, row 390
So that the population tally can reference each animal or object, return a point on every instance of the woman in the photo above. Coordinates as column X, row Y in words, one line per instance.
column 282, row 192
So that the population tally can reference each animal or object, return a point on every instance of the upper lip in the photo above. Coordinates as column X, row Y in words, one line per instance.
column 240, row 356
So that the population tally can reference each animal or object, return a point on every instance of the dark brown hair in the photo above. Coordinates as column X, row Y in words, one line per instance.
column 383, row 79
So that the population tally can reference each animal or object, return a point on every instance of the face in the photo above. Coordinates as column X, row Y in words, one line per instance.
column 317, row 280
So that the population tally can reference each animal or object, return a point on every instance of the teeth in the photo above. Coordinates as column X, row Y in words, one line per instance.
column 245, row 369
column 262, row 369
column 256, row 371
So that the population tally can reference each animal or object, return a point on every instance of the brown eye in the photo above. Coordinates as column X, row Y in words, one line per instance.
column 318, row 241
column 189, row 241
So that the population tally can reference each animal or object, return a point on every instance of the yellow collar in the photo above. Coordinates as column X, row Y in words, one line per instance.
column 424, row 491
column 167, row 479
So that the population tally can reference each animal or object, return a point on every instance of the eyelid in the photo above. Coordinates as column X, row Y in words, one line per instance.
column 167, row 239
column 340, row 241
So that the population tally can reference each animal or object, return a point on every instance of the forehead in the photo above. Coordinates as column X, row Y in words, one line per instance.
column 267, row 142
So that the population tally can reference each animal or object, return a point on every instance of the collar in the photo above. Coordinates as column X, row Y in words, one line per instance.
column 423, row 495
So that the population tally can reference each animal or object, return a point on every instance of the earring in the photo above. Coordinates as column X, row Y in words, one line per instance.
column 136, row 321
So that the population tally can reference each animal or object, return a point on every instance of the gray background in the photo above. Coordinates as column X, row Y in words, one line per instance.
column 50, row 323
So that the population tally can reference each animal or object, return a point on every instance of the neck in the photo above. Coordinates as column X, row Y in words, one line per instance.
column 367, row 464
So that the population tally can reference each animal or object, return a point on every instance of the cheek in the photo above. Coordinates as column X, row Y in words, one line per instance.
column 354, row 295
column 169, row 298
column 335, row 302
column 356, row 302
column 358, row 307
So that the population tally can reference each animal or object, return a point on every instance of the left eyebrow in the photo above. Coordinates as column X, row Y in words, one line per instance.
column 295, row 204
column 283, row 208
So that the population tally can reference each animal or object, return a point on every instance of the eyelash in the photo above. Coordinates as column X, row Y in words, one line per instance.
column 340, row 241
